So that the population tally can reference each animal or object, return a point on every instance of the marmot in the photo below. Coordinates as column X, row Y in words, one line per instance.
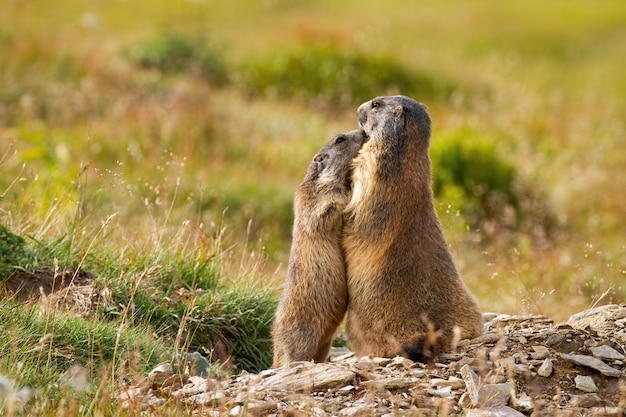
column 315, row 296
column 405, row 290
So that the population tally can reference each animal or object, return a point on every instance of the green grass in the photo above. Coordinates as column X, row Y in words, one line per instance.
column 158, row 146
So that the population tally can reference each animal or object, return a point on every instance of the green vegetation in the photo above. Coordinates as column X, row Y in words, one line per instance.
column 327, row 74
column 158, row 147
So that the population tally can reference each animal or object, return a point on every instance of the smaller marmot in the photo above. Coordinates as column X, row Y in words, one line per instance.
column 406, row 295
column 315, row 294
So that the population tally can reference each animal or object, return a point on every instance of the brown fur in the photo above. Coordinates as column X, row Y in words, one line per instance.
column 405, row 290
column 315, row 295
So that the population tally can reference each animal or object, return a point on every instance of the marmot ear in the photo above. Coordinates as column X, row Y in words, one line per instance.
column 397, row 111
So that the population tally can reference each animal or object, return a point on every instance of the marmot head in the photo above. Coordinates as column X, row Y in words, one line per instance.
column 333, row 161
column 394, row 119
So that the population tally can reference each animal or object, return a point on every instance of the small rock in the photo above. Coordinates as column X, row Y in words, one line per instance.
column 259, row 408
column 606, row 411
column 236, row 411
column 540, row 352
column 606, row 352
column 546, row 368
column 524, row 403
column 402, row 362
column 486, row 339
column 381, row 361
column 307, row 376
column 471, row 383
column 441, row 392
column 585, row 383
column 554, row 339
column 241, row 398
column 494, row 395
column 585, row 400
column 453, row 382
column 594, row 363
column 389, row 383
column 494, row 412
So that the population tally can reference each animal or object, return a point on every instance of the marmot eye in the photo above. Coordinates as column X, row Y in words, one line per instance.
column 375, row 104
column 340, row 139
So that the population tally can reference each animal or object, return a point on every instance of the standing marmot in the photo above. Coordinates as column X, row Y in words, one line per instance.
column 402, row 281
column 315, row 295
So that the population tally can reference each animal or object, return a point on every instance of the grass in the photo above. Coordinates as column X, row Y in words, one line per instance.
column 131, row 146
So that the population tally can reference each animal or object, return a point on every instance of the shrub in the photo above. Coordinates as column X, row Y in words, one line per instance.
column 13, row 252
column 472, row 177
column 326, row 73
column 174, row 52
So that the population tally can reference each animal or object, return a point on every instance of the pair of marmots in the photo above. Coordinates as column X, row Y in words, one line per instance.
column 367, row 242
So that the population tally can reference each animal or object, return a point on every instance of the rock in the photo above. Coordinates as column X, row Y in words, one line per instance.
column 453, row 382
column 389, row 383
column 585, row 400
column 471, row 383
column 606, row 352
column 403, row 362
column 545, row 370
column 585, row 383
column 606, row 411
column 494, row 395
column 594, row 363
column 485, row 339
column 307, row 376
column 441, row 392
column 494, row 412
column 524, row 403
column 555, row 339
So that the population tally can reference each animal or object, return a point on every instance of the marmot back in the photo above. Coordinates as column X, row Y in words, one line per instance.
column 315, row 294
column 405, row 290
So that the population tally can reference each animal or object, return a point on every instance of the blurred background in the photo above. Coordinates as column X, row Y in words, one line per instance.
column 133, row 126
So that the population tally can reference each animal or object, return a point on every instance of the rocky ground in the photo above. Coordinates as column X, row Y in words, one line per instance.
column 520, row 366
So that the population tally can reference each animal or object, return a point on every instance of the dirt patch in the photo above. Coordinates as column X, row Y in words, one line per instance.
column 62, row 289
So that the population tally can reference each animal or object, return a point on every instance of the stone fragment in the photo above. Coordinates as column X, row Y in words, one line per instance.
column 453, row 382
column 381, row 361
column 594, row 363
column 523, row 403
column 585, row 400
column 606, row 352
column 555, row 339
column 306, row 376
column 585, row 383
column 441, row 392
column 606, row 411
column 401, row 361
column 494, row 395
column 389, row 383
column 494, row 412
column 486, row 339
column 471, row 383
column 546, row 368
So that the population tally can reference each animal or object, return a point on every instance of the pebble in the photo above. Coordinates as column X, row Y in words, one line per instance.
column 606, row 352
column 585, row 400
column 471, row 383
column 546, row 368
column 524, row 403
column 585, row 383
